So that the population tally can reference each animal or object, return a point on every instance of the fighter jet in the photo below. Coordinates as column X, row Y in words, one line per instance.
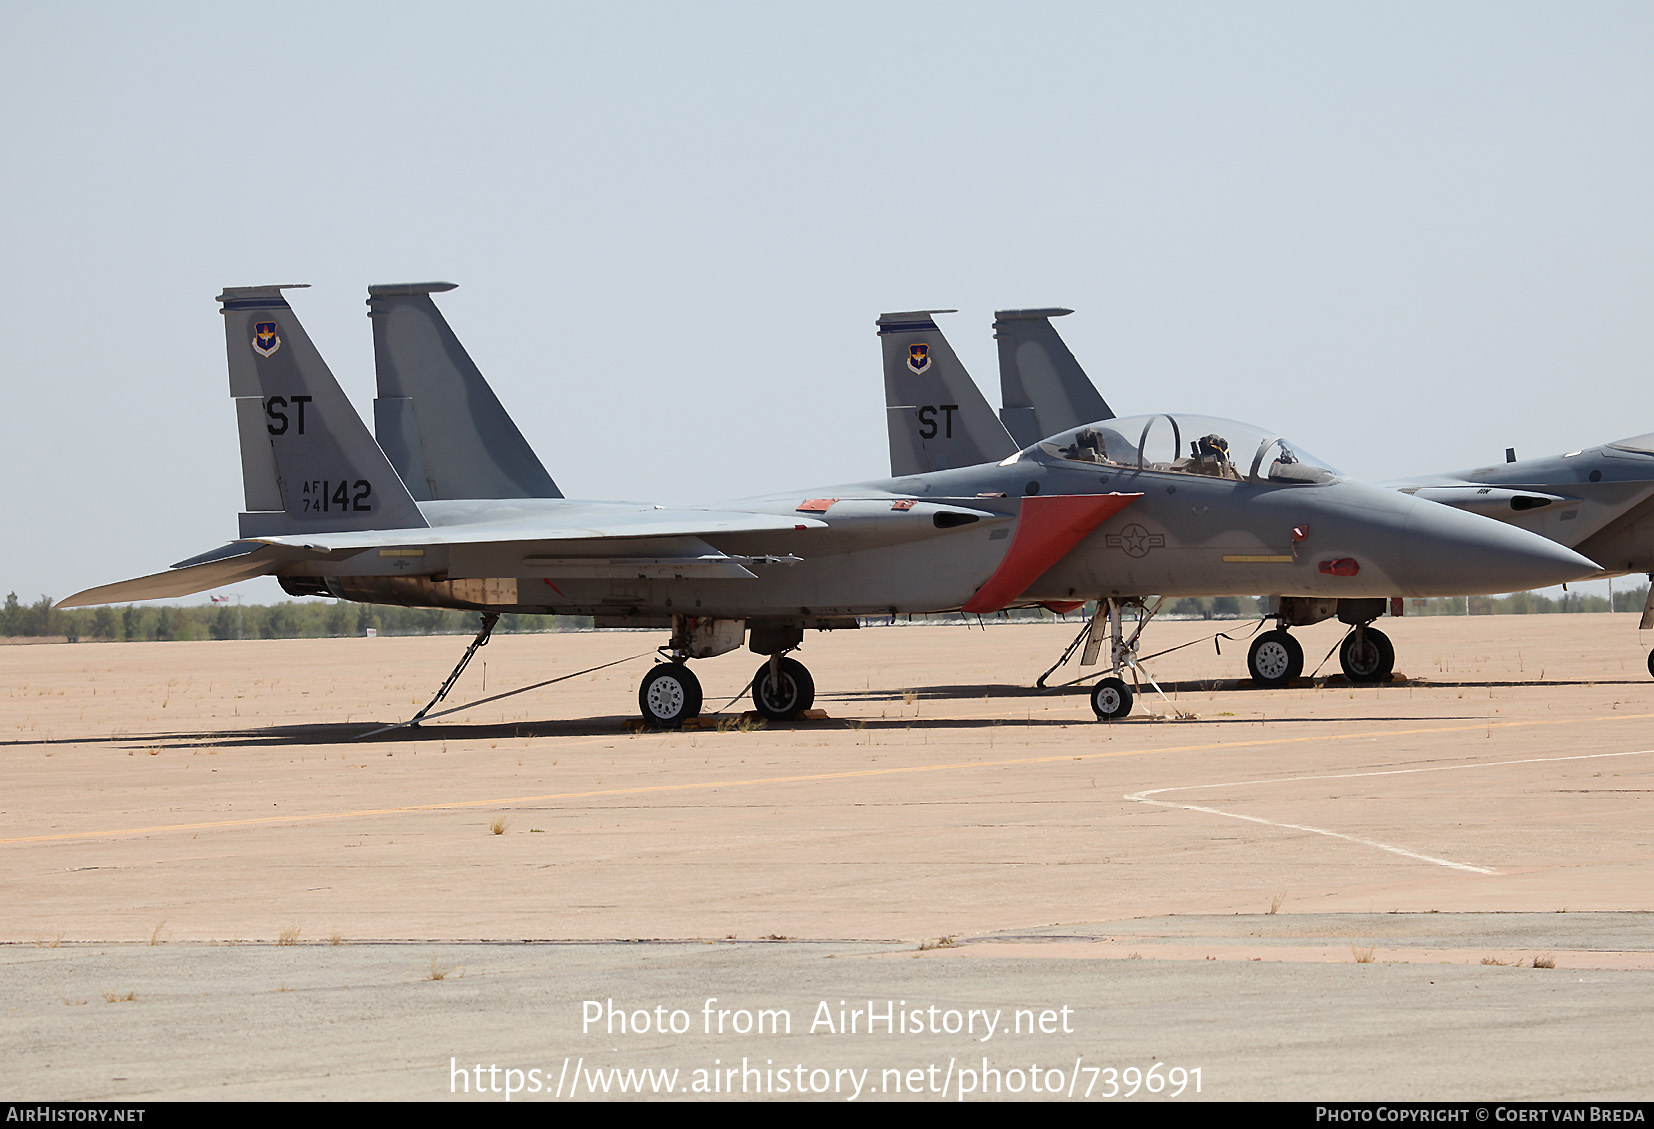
column 1087, row 515
column 1598, row 501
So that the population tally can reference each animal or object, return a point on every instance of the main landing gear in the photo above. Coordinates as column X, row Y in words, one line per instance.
column 671, row 694
column 1366, row 654
column 1275, row 659
column 782, row 689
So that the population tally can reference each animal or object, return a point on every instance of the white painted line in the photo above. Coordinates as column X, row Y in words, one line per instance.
column 1143, row 798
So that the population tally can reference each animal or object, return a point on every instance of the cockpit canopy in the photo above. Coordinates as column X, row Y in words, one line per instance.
column 1638, row 444
column 1186, row 444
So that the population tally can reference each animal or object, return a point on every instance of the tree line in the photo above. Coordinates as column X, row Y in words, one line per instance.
column 290, row 619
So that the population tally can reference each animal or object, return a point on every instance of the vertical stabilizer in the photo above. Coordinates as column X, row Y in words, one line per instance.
column 938, row 418
column 1042, row 388
column 439, row 422
column 308, row 464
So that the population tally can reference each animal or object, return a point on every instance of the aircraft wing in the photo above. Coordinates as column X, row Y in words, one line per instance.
column 578, row 522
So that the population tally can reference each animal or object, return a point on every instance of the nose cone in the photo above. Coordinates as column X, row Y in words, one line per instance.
column 1447, row 552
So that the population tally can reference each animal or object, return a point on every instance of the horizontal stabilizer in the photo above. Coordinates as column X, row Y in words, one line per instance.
column 258, row 560
column 1050, row 525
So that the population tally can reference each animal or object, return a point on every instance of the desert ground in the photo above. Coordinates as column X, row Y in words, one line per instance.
column 1434, row 889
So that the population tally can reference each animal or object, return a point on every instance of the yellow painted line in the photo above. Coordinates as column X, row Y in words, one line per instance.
column 656, row 789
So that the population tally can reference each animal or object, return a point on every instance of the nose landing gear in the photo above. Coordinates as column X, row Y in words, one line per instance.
column 1111, row 699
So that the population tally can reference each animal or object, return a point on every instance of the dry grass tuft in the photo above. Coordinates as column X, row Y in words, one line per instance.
column 1494, row 960
column 118, row 998
column 1277, row 901
column 438, row 972
column 155, row 934
column 288, row 936
column 1363, row 954
column 499, row 825
column 336, row 938
column 947, row 942
column 1546, row 961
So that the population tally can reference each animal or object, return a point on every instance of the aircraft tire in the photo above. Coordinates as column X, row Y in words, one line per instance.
column 787, row 695
column 1367, row 655
column 670, row 695
column 1275, row 658
column 1651, row 663
column 1111, row 699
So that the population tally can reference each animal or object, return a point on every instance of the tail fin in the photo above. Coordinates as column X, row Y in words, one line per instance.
column 308, row 465
column 436, row 417
column 1042, row 388
column 938, row 418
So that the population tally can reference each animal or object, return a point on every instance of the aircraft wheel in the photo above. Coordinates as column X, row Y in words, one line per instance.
column 1275, row 658
column 670, row 695
column 1651, row 663
column 786, row 695
column 1111, row 699
column 1367, row 655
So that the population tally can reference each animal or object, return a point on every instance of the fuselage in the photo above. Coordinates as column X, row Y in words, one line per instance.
column 1598, row 500
column 926, row 543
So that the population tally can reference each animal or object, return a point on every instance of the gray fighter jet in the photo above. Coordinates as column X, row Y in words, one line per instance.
column 1094, row 514
column 1598, row 501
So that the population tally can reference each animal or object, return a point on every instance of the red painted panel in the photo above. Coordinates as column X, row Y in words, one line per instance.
column 1048, row 527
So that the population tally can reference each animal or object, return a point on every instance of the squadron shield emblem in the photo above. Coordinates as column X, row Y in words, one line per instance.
column 918, row 357
column 265, row 340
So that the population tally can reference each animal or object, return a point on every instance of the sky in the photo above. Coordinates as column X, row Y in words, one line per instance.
column 1406, row 236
